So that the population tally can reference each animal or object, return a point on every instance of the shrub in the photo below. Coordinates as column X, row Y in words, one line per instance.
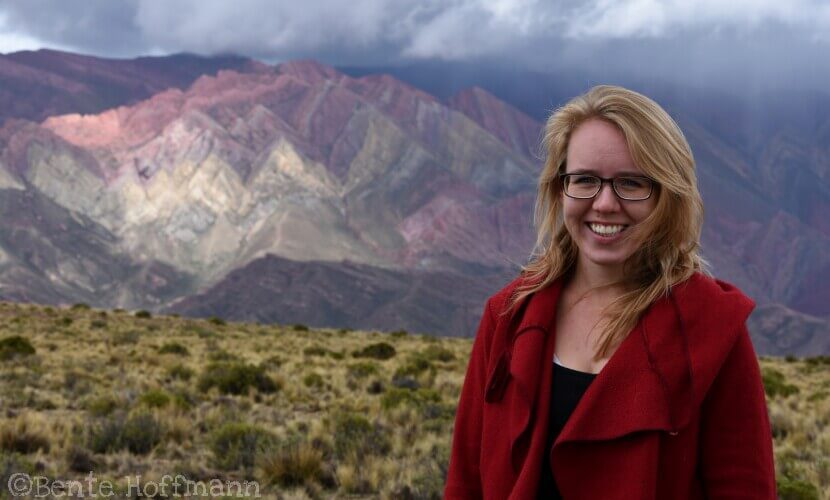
column 300, row 328
column 215, row 320
column 315, row 351
column 80, row 306
column 173, row 348
column 222, row 355
column 235, row 445
column 126, row 337
column 380, row 350
column 65, row 321
column 179, row 371
column 97, row 324
column 362, row 369
column 141, row 433
column 290, row 465
column 105, row 435
column 18, row 436
column 413, row 367
column 155, row 398
column 796, row 489
column 775, row 384
column 418, row 398
column 235, row 378
column 15, row 346
column 438, row 353
column 101, row 406
column 313, row 380
column 143, row 314
column 79, row 459
column 399, row 333
column 353, row 434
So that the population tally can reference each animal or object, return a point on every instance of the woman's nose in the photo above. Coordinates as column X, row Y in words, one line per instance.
column 606, row 200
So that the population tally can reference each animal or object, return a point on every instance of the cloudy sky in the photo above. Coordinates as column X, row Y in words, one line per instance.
column 765, row 42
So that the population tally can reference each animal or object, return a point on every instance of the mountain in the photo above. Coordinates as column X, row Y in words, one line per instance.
column 301, row 194
column 37, row 84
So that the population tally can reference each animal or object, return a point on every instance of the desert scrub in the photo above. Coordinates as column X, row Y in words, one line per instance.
column 173, row 348
column 315, row 351
column 418, row 398
column 102, row 405
column 362, row 369
column 180, row 372
column 14, row 347
column 144, row 314
column 154, row 398
column 139, row 433
column 292, row 464
column 314, row 380
column 232, row 377
column 20, row 435
column 355, row 436
column 236, row 445
column 380, row 350
column 775, row 384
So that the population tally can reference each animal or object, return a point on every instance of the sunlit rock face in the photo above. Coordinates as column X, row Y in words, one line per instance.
column 263, row 175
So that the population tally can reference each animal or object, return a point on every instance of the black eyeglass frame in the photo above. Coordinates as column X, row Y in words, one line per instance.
column 603, row 180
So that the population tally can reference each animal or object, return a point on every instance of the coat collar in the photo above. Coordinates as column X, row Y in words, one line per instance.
column 645, row 385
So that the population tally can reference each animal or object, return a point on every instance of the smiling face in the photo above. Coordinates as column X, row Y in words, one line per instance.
column 598, row 226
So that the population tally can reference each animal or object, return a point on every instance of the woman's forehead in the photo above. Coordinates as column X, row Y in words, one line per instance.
column 600, row 147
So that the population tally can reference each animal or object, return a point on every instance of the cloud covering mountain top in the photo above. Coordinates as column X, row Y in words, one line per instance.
column 704, row 42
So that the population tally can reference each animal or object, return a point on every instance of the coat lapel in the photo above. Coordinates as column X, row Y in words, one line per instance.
column 645, row 385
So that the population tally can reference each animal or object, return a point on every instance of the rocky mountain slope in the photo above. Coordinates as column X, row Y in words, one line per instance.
column 245, row 190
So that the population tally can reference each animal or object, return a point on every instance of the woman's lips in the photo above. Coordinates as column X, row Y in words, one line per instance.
column 603, row 238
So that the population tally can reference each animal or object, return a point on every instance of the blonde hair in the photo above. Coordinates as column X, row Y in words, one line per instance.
column 667, row 241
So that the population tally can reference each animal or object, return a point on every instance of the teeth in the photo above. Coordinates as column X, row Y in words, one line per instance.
column 605, row 230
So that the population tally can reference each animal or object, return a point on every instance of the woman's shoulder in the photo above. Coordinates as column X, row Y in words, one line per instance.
column 705, row 296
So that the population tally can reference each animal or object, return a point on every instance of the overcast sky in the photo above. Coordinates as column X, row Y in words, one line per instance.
column 757, row 42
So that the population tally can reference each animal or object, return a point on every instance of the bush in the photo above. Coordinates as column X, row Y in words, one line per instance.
column 80, row 306
column 315, row 351
column 354, row 435
column 17, row 436
column 796, row 489
column 296, row 464
column 362, row 369
column 174, row 348
column 235, row 378
column 180, row 372
column 300, row 328
column 235, row 445
column 126, row 337
column 97, row 324
column 101, row 406
column 399, row 333
column 15, row 346
column 215, row 320
column 381, row 351
column 775, row 384
column 155, row 398
column 143, row 314
column 417, row 399
column 141, row 433
column 105, row 435
column 438, row 353
column 313, row 380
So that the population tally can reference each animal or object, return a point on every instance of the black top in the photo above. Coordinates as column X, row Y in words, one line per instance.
column 568, row 387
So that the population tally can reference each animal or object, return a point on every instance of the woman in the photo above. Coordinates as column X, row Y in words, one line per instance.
column 613, row 367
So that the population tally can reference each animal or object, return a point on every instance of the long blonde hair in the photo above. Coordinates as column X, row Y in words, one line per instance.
column 667, row 241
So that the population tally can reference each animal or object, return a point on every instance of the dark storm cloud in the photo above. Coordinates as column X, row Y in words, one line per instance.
column 757, row 42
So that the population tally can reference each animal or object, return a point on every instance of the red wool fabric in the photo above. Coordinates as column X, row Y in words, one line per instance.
column 677, row 412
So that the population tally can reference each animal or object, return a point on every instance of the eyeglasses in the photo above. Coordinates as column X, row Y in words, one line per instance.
column 586, row 186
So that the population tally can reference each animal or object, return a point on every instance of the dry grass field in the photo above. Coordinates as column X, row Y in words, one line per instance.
column 149, row 403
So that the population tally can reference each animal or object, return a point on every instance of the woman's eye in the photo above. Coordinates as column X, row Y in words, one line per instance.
column 627, row 182
column 584, row 179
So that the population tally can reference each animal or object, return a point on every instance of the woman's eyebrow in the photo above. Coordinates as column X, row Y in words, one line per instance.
column 619, row 174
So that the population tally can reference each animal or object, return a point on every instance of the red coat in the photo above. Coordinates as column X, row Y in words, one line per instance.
column 677, row 412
